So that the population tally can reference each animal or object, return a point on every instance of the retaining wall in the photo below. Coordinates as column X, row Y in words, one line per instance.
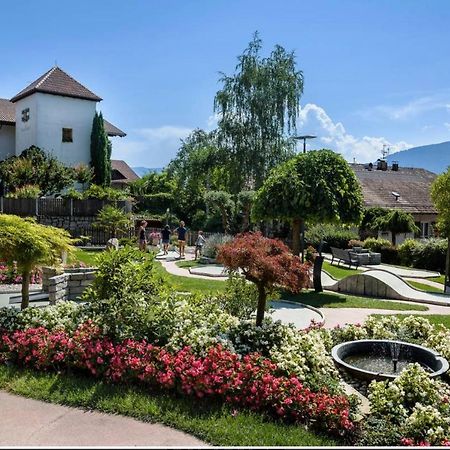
column 68, row 285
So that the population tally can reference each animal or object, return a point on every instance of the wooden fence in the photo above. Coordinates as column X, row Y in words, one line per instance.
column 58, row 206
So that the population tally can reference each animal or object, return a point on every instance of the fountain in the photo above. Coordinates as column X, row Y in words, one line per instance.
column 385, row 359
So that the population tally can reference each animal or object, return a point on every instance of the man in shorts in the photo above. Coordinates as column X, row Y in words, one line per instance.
column 181, row 231
column 199, row 244
column 165, row 234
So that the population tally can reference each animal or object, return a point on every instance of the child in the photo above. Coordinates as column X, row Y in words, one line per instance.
column 199, row 244
column 165, row 233
column 181, row 231
column 142, row 238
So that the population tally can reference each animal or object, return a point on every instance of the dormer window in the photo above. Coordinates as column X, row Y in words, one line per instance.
column 26, row 115
column 67, row 135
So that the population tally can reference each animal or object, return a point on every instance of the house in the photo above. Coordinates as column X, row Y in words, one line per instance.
column 121, row 174
column 55, row 113
column 404, row 188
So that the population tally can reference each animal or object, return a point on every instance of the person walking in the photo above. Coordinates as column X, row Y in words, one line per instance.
column 181, row 232
column 165, row 235
column 199, row 244
column 142, row 238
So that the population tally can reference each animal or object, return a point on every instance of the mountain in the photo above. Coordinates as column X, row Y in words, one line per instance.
column 141, row 171
column 433, row 157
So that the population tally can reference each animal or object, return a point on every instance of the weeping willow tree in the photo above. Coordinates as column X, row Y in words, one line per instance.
column 258, row 108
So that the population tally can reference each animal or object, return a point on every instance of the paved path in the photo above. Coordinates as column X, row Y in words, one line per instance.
column 26, row 422
column 300, row 315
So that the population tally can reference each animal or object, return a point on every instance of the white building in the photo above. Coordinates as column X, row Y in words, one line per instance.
column 54, row 113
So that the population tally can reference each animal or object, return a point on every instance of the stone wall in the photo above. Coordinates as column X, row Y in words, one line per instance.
column 69, row 285
column 67, row 222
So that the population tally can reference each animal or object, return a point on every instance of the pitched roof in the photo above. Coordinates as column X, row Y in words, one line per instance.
column 112, row 130
column 57, row 82
column 7, row 112
column 122, row 172
column 412, row 184
column 8, row 117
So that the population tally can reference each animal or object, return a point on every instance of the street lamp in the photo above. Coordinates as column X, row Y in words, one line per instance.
column 306, row 136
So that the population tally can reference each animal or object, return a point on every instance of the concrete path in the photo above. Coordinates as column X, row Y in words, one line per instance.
column 26, row 422
column 295, row 313
column 209, row 270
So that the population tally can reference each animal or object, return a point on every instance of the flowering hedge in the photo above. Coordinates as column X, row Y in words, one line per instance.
column 252, row 381
column 9, row 275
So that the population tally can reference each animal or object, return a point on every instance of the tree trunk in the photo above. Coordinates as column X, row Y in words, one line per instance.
column 262, row 298
column 296, row 241
column 25, row 289
column 447, row 266
column 394, row 237
column 245, row 220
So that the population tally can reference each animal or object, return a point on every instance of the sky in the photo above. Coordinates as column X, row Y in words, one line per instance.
column 376, row 71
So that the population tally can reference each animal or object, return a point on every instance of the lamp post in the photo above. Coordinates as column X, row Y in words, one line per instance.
column 304, row 138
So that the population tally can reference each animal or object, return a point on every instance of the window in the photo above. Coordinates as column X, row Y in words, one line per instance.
column 67, row 135
column 26, row 115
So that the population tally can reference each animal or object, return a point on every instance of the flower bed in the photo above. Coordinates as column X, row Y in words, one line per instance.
column 252, row 381
column 9, row 275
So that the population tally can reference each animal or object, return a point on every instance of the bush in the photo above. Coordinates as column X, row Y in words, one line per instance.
column 333, row 235
column 431, row 255
column 407, row 251
column 27, row 191
column 389, row 253
column 355, row 243
column 239, row 299
column 105, row 193
column 213, row 243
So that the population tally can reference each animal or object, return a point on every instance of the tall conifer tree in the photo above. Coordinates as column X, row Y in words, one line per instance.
column 100, row 152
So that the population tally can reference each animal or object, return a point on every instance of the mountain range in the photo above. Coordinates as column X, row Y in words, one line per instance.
column 141, row 171
column 433, row 157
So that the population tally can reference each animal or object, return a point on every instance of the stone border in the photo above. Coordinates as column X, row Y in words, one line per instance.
column 69, row 285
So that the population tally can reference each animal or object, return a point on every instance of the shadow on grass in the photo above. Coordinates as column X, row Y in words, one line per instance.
column 208, row 419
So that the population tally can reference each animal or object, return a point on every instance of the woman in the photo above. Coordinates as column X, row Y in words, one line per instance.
column 165, row 234
column 142, row 238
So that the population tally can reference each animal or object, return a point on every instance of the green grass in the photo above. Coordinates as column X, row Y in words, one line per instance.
column 425, row 287
column 208, row 420
column 339, row 272
column 439, row 279
column 331, row 300
column 187, row 264
column 85, row 256
column 435, row 319
column 193, row 285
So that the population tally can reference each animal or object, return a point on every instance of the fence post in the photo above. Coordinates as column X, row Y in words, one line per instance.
column 71, row 207
column 1, row 204
column 37, row 207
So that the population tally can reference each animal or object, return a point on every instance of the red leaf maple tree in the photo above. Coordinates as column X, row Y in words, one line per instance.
column 266, row 263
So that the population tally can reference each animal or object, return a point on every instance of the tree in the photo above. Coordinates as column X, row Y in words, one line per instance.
column 266, row 263
column 30, row 245
column 395, row 221
column 112, row 220
column 36, row 167
column 440, row 194
column 100, row 152
column 258, row 108
column 245, row 202
column 318, row 186
column 223, row 202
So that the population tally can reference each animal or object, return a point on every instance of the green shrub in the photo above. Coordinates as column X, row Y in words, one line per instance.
column 27, row 191
column 431, row 255
column 333, row 235
column 389, row 253
column 407, row 250
column 379, row 432
column 213, row 244
column 105, row 193
column 239, row 299
column 375, row 245
column 355, row 243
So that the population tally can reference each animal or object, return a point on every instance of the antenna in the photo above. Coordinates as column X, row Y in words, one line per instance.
column 385, row 151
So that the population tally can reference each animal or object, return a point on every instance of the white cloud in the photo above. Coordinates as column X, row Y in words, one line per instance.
column 334, row 136
column 447, row 125
column 410, row 109
column 150, row 147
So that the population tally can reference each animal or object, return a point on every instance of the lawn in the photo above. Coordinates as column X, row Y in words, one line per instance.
column 440, row 279
column 425, row 287
column 206, row 419
column 331, row 300
column 189, row 284
column 85, row 256
column 338, row 272
column 188, row 264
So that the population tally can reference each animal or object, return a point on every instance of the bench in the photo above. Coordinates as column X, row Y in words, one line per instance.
column 346, row 256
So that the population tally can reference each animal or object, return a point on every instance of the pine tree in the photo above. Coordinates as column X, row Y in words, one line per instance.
column 100, row 152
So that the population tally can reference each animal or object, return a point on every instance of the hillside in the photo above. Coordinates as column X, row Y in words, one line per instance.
column 141, row 171
column 433, row 157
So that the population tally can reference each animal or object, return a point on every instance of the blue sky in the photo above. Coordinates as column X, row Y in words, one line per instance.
column 375, row 71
